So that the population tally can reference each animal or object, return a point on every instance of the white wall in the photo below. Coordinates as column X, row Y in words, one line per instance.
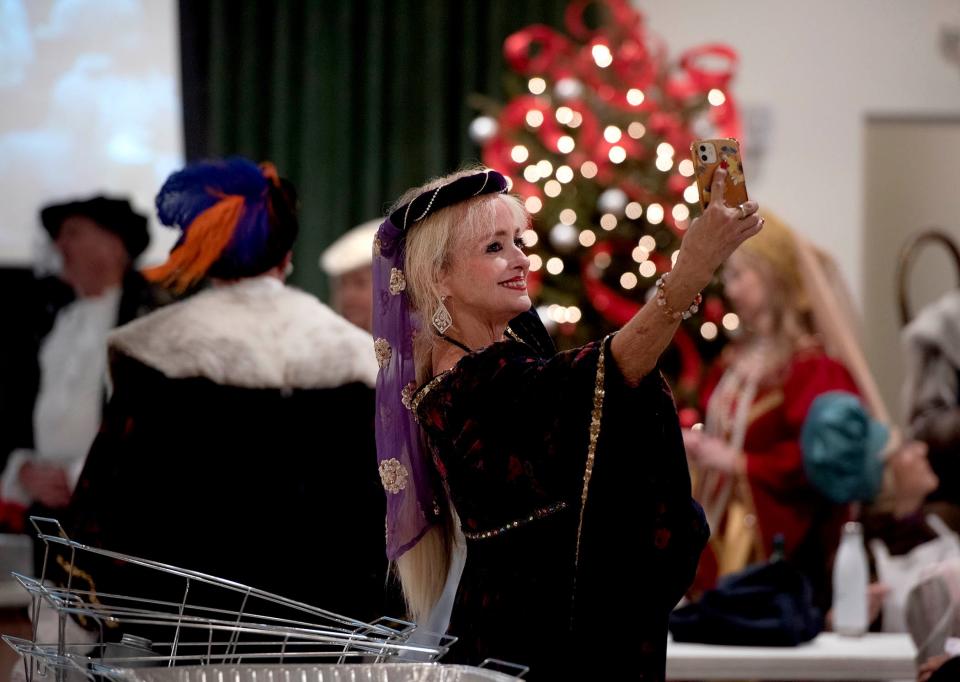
column 819, row 67
column 911, row 185
column 89, row 103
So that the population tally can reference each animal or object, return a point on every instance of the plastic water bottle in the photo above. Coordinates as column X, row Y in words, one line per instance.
column 850, row 578
column 129, row 652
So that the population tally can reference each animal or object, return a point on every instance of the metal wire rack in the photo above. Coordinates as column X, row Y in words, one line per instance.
column 188, row 626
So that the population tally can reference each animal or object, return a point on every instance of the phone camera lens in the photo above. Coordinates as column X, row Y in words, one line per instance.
column 703, row 147
column 703, row 157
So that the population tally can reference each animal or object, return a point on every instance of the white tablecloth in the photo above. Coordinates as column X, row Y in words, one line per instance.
column 875, row 656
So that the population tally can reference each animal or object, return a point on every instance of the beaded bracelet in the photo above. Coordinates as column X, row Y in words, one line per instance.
column 670, row 312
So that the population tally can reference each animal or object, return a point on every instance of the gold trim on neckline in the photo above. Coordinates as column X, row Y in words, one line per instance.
column 422, row 392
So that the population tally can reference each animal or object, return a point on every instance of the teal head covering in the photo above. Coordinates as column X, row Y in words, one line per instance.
column 843, row 448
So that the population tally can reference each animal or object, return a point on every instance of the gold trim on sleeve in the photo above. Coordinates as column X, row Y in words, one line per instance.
column 595, row 417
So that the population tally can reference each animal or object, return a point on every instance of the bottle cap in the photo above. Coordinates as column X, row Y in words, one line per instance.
column 135, row 641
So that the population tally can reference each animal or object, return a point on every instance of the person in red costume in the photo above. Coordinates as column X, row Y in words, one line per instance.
column 751, row 479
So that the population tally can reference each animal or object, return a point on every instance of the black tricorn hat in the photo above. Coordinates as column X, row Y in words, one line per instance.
column 115, row 215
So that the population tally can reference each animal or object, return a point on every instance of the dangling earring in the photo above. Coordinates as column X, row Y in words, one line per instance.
column 441, row 317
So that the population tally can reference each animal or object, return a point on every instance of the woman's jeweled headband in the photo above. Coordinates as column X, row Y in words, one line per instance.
column 461, row 189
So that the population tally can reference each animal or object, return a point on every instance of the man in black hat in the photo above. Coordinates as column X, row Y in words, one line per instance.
column 58, row 383
column 98, row 239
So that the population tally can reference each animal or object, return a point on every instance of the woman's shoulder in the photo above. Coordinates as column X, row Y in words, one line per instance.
column 811, row 372
column 470, row 374
column 811, row 359
column 254, row 334
column 506, row 372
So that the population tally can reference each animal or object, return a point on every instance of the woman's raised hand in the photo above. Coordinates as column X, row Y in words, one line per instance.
column 716, row 234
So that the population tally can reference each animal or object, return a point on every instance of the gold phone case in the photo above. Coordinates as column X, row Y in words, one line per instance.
column 708, row 155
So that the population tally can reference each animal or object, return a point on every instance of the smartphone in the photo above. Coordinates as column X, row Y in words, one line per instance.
column 708, row 155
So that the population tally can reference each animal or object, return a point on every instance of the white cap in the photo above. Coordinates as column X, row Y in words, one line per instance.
column 351, row 251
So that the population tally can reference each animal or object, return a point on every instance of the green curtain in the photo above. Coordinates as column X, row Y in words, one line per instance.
column 355, row 101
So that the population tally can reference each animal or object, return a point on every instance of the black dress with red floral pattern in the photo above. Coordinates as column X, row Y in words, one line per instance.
column 510, row 432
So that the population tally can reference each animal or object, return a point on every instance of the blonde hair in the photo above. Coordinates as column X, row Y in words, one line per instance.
column 773, row 253
column 811, row 306
column 431, row 246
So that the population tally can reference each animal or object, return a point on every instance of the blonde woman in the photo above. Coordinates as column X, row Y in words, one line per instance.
column 565, row 472
column 757, row 399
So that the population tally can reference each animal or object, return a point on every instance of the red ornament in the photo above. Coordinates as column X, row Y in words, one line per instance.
column 713, row 309
column 536, row 50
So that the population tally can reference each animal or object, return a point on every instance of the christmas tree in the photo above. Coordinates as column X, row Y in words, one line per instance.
column 595, row 137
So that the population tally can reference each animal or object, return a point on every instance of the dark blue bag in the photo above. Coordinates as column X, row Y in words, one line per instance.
column 763, row 605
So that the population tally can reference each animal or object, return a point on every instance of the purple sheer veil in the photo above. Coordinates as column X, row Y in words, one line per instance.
column 414, row 494
column 404, row 467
